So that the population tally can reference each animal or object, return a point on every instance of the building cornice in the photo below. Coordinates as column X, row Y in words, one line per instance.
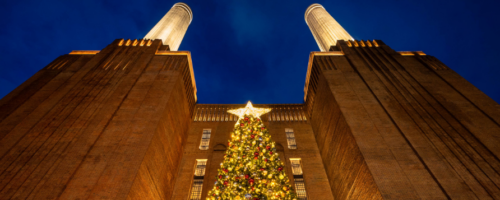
column 190, row 62
column 309, row 65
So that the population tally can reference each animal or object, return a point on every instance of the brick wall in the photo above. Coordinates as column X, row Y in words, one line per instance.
column 316, row 181
column 83, row 126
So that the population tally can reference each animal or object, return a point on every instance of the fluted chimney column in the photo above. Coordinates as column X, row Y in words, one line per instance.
column 324, row 28
column 172, row 27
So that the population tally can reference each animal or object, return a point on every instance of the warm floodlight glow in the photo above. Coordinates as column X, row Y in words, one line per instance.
column 406, row 53
column 325, row 29
column 84, row 52
column 420, row 53
column 173, row 26
column 249, row 110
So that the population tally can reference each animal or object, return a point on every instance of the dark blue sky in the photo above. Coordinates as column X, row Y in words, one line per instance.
column 249, row 49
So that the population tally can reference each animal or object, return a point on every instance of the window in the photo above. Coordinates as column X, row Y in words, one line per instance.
column 296, row 168
column 200, row 167
column 199, row 174
column 196, row 190
column 205, row 139
column 290, row 138
column 301, row 189
column 298, row 177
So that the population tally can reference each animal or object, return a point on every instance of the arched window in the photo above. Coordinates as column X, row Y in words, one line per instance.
column 220, row 147
column 279, row 147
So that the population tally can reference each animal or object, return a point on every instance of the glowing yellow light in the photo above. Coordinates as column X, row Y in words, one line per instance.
column 249, row 110
column 84, row 52
column 406, row 53
column 421, row 53
column 362, row 43
column 368, row 43
column 356, row 43
column 349, row 44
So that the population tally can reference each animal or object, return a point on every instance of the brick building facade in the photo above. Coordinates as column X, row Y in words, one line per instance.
column 123, row 123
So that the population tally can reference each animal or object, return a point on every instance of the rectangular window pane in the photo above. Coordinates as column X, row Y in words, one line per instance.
column 200, row 167
column 298, row 178
column 290, row 138
column 205, row 139
column 199, row 174
column 296, row 168
column 301, row 189
column 196, row 189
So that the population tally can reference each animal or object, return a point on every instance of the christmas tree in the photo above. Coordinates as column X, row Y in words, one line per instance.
column 251, row 168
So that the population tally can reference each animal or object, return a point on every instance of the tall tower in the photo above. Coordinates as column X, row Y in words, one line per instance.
column 123, row 123
column 324, row 28
column 172, row 27
column 397, row 125
column 101, row 124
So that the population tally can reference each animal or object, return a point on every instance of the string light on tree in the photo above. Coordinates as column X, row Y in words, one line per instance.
column 251, row 168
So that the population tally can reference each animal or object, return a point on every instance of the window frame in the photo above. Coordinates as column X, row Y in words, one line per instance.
column 198, row 177
column 290, row 138
column 205, row 141
column 298, row 178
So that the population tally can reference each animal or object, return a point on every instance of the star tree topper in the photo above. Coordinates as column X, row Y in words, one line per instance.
column 249, row 110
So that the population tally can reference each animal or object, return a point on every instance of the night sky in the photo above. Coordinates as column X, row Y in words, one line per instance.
column 253, row 50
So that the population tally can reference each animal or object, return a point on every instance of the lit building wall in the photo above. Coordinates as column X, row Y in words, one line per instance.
column 418, row 128
column 123, row 123
column 95, row 125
